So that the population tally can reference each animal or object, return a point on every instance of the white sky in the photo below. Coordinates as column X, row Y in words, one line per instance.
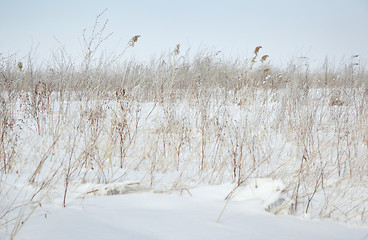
column 285, row 28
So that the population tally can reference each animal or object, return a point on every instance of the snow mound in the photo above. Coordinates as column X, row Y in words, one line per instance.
column 268, row 191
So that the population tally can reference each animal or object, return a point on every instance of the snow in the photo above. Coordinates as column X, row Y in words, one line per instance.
column 179, row 215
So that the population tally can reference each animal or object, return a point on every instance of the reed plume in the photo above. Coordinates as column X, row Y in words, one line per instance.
column 20, row 66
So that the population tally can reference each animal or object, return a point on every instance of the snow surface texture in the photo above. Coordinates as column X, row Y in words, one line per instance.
column 181, row 215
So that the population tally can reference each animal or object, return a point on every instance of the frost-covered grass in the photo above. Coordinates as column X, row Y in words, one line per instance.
column 295, row 140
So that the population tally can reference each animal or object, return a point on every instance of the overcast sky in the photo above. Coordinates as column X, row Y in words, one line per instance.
column 285, row 29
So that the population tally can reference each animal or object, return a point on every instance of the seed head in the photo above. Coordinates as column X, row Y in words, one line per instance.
column 133, row 40
column 177, row 49
column 264, row 57
column 257, row 50
column 20, row 66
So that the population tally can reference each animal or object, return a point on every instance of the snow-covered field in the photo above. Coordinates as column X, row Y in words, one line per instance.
column 257, row 164
column 179, row 215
